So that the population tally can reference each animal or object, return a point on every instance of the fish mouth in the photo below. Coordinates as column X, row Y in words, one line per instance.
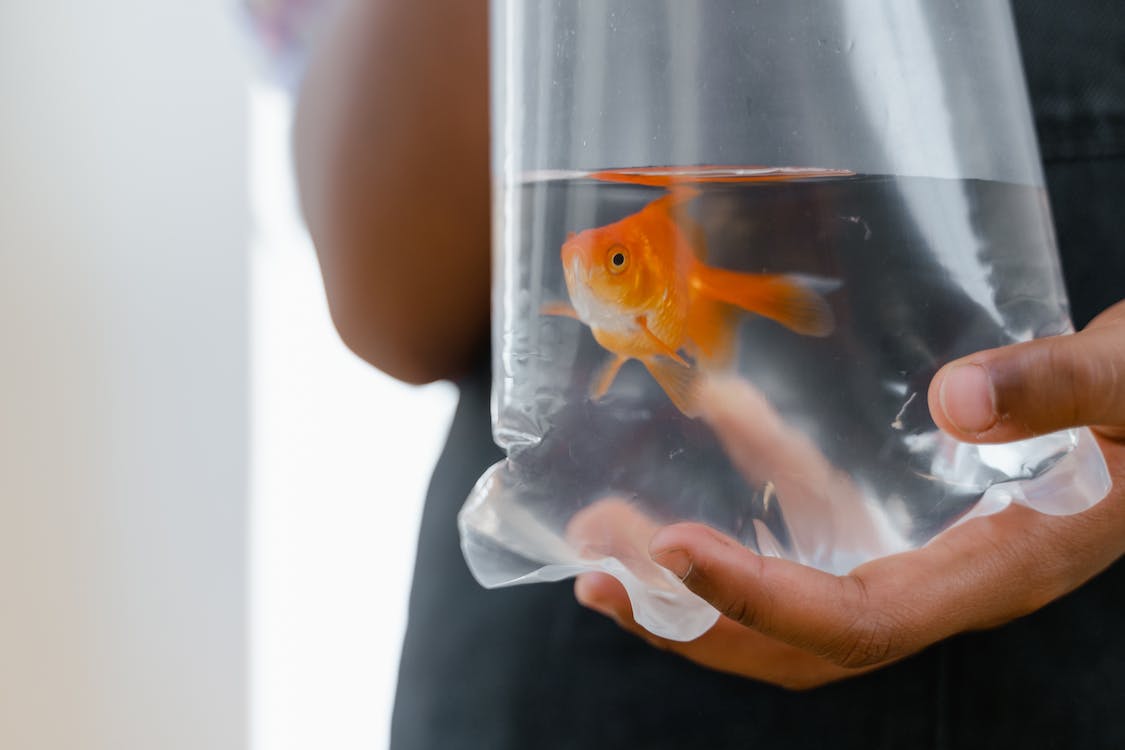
column 575, row 269
column 569, row 255
column 578, row 284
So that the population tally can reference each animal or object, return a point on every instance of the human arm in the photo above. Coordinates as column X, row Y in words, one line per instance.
column 799, row 627
column 391, row 140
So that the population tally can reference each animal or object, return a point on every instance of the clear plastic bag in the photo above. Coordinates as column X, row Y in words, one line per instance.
column 899, row 222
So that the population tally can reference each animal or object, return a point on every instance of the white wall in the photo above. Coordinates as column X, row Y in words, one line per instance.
column 208, row 506
column 123, row 376
column 341, row 457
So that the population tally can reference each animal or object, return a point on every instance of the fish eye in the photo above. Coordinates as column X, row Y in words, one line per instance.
column 618, row 258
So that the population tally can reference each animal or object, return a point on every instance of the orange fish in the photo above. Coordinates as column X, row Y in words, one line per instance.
column 642, row 287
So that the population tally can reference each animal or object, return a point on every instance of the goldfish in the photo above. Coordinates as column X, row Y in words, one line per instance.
column 643, row 288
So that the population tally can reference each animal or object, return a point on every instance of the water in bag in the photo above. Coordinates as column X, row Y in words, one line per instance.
column 914, row 272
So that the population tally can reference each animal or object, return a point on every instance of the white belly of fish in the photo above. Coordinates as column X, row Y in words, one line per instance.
column 598, row 313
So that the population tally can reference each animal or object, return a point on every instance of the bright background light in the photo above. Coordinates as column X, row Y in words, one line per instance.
column 341, row 455
column 208, row 506
column 124, row 437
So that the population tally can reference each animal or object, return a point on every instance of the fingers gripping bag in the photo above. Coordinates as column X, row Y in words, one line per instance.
column 733, row 243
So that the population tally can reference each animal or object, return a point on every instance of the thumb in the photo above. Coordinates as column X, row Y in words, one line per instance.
column 1036, row 387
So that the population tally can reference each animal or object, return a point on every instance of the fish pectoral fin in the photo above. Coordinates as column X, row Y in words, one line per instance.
column 662, row 347
column 680, row 382
column 559, row 309
column 605, row 376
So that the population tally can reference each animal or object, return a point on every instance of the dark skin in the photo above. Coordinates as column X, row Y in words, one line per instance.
column 392, row 162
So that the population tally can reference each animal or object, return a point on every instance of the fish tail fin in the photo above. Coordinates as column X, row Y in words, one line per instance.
column 681, row 383
column 710, row 333
column 790, row 300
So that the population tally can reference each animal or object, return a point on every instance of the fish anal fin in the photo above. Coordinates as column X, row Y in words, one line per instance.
column 559, row 309
column 657, row 342
column 679, row 382
column 604, row 377
column 789, row 300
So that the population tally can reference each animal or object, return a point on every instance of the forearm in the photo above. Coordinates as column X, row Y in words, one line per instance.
column 392, row 164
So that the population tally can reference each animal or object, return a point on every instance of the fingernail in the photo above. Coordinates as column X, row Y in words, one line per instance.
column 676, row 560
column 967, row 399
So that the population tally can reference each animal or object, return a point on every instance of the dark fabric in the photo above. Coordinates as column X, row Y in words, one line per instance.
column 527, row 667
column 1074, row 59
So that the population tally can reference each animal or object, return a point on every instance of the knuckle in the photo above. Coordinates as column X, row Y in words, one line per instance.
column 739, row 610
column 713, row 584
column 870, row 640
column 1084, row 379
column 1065, row 375
column 1072, row 377
column 872, row 636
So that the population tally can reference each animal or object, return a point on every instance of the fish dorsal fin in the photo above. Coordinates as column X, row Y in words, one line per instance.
column 674, row 206
column 693, row 232
column 680, row 382
column 676, row 196
column 673, row 203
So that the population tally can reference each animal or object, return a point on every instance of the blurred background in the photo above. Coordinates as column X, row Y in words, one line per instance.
column 208, row 506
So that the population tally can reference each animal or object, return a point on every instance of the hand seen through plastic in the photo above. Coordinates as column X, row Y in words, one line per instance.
column 798, row 627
